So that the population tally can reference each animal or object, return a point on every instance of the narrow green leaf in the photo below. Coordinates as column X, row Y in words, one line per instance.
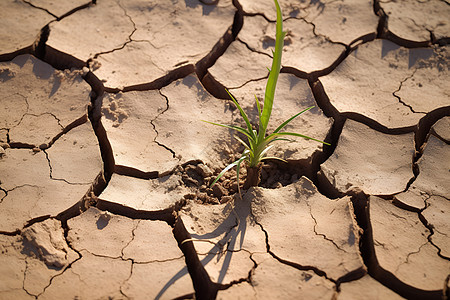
column 243, row 114
column 238, row 168
column 290, row 119
column 273, row 76
column 242, row 142
column 224, row 170
column 237, row 128
column 265, row 151
column 275, row 158
column 258, row 106
column 281, row 139
column 297, row 134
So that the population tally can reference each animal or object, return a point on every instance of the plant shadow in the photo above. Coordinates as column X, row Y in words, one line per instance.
column 233, row 229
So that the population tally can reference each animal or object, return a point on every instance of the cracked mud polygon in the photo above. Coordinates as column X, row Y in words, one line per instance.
column 105, row 164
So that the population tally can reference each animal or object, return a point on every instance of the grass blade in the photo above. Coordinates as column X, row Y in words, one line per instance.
column 290, row 119
column 224, row 170
column 273, row 75
column 243, row 114
column 274, row 157
column 242, row 142
column 298, row 135
column 237, row 128
column 258, row 106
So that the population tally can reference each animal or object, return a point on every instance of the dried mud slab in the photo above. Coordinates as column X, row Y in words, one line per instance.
column 417, row 20
column 402, row 246
column 90, row 277
column 289, row 8
column 181, row 129
column 30, row 261
column 441, row 129
column 223, row 227
column 25, row 176
column 429, row 192
column 128, row 120
column 98, row 28
column 433, row 170
column 225, row 239
column 342, row 21
column 302, row 50
column 227, row 267
column 377, row 163
column 58, row 8
column 151, row 195
column 48, row 102
column 434, row 167
column 13, row 268
column 241, row 290
column 292, row 96
column 152, row 241
column 231, row 244
column 436, row 214
column 81, row 145
column 296, row 220
column 274, row 280
column 149, row 245
column 366, row 288
column 20, row 25
column 239, row 65
column 158, row 280
column 186, row 30
column 100, row 233
column 370, row 82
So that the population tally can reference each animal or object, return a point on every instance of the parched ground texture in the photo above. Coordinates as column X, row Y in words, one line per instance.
column 105, row 163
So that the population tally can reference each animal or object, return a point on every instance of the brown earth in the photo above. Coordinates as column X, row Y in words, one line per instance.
column 105, row 164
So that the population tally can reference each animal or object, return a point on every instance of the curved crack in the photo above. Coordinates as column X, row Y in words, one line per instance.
column 154, row 126
column 399, row 98
column 317, row 271
column 129, row 37
column 432, row 230
column 61, row 179
column 41, row 8
column 321, row 234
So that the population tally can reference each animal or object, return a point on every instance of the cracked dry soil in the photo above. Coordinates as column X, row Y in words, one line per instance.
column 105, row 164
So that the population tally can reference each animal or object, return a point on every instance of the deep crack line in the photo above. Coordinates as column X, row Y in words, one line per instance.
column 430, row 227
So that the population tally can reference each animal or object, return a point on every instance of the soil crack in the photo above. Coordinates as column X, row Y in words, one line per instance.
column 321, row 234
column 61, row 179
column 41, row 8
column 154, row 126
column 400, row 99
column 316, row 270
column 66, row 229
column 431, row 228
column 129, row 39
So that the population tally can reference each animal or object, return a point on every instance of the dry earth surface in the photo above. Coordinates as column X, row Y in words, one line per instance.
column 105, row 164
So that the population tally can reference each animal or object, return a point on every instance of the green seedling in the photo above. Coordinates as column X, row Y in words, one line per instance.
column 258, row 141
